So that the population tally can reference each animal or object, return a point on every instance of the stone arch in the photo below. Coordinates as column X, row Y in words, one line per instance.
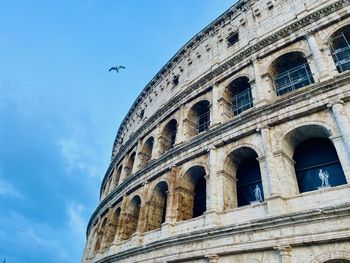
column 330, row 128
column 157, row 206
column 313, row 154
column 131, row 217
column 290, row 71
column 191, row 193
column 340, row 256
column 115, row 177
column 130, row 163
column 339, row 44
column 145, row 154
column 112, row 227
column 242, row 178
column 270, row 59
column 168, row 136
column 197, row 118
column 100, row 235
column 238, row 96
column 238, row 145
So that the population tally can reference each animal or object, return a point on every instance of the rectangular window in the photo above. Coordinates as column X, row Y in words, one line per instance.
column 232, row 39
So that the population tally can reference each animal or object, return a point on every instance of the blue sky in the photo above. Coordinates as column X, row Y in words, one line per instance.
column 60, row 107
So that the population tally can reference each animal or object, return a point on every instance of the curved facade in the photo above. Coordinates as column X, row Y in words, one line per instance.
column 238, row 150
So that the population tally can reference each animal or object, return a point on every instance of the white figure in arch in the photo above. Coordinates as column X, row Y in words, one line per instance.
column 324, row 177
column 257, row 193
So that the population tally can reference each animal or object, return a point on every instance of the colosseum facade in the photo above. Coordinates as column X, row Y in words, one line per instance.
column 238, row 150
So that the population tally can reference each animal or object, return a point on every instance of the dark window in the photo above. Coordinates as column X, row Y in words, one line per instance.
column 316, row 158
column 169, row 136
column 176, row 80
column 249, row 185
column 232, row 39
column 340, row 45
column 142, row 113
column 291, row 71
column 241, row 94
column 199, row 204
column 203, row 122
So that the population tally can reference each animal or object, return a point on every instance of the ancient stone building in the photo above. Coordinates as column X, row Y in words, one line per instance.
column 238, row 150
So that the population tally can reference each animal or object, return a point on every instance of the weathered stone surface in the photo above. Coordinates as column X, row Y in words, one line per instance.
column 150, row 191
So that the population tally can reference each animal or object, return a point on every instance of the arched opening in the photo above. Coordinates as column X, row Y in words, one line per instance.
column 130, row 164
column 239, row 95
column 340, row 46
column 289, row 72
column 302, row 161
column 117, row 175
column 191, row 195
column 157, row 207
column 198, row 119
column 132, row 217
column 243, row 184
column 115, row 178
column 317, row 165
column 100, row 234
column 112, row 226
column 146, row 152
column 168, row 137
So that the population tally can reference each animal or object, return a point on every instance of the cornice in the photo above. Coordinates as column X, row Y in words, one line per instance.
column 286, row 31
column 293, row 98
column 208, row 30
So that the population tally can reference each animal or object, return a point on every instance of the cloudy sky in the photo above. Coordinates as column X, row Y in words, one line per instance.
column 60, row 107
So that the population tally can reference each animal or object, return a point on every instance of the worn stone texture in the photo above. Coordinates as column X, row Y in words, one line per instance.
column 149, row 192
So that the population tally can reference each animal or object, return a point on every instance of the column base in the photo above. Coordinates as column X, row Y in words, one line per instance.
column 211, row 218
column 276, row 204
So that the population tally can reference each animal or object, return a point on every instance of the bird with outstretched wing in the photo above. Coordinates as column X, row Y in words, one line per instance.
column 116, row 68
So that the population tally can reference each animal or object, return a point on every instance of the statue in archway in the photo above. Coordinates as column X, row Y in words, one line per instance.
column 257, row 192
column 324, row 175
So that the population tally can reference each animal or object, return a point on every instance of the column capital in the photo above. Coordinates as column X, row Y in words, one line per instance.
column 335, row 102
column 213, row 258
column 262, row 127
column 310, row 33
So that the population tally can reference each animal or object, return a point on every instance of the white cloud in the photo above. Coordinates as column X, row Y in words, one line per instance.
column 49, row 245
column 7, row 189
column 76, row 222
column 80, row 156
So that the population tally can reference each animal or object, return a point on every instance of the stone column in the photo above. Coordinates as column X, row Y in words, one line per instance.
column 136, row 165
column 122, row 218
column 342, row 154
column 342, row 121
column 284, row 254
column 143, row 210
column 123, row 173
column 213, row 191
column 317, row 55
column 171, row 208
column 180, row 126
column 156, row 145
column 271, row 178
column 212, row 258
column 215, row 114
column 259, row 90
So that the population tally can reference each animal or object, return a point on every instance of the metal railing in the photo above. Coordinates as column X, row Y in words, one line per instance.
column 203, row 122
column 341, row 54
column 293, row 79
column 242, row 101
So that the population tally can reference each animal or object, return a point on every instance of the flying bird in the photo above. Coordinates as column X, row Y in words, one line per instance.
column 116, row 68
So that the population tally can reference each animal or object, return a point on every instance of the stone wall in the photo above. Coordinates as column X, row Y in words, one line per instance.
column 152, row 208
